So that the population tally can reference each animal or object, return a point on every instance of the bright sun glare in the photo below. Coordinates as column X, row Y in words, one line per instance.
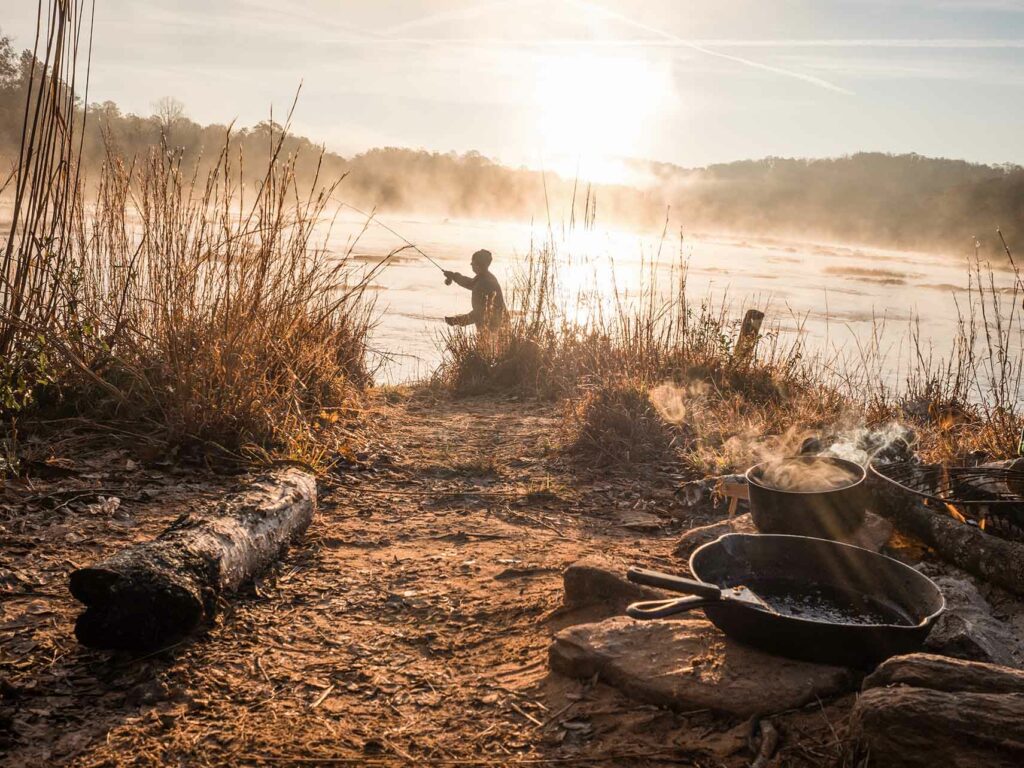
column 593, row 110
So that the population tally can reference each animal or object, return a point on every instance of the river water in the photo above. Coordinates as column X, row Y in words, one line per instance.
column 836, row 297
column 850, row 302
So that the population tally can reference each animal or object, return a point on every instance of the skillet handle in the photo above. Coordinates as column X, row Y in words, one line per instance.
column 659, row 609
column 674, row 583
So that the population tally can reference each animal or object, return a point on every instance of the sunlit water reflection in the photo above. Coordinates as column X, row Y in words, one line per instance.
column 836, row 297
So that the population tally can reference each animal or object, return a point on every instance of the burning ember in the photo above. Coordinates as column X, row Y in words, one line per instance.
column 988, row 497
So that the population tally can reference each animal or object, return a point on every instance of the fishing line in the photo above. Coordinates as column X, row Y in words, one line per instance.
column 378, row 222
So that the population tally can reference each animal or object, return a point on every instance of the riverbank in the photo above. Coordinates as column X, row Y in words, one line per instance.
column 411, row 624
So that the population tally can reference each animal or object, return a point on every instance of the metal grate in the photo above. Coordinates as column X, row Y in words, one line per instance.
column 989, row 497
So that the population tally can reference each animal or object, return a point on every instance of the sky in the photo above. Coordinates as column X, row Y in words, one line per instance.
column 566, row 84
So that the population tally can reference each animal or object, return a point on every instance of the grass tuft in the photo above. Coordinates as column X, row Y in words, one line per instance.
column 617, row 424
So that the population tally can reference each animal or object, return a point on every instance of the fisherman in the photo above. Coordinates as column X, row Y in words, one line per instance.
column 488, row 303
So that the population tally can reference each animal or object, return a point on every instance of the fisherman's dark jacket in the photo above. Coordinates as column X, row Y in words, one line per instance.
column 488, row 303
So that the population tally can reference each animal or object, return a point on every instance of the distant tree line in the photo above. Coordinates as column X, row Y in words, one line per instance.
column 873, row 198
column 870, row 197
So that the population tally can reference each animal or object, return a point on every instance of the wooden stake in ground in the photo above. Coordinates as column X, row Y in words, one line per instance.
column 750, row 331
column 152, row 594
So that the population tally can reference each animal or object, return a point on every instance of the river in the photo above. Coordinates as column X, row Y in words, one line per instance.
column 837, row 297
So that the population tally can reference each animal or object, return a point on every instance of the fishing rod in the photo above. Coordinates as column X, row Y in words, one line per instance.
column 378, row 222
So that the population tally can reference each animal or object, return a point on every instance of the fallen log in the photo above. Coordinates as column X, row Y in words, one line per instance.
column 152, row 594
column 922, row 710
column 966, row 546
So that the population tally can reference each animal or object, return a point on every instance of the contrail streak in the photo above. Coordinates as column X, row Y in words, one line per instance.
column 586, row 42
column 593, row 8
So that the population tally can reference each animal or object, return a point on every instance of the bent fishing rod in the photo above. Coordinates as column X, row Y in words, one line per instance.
column 378, row 222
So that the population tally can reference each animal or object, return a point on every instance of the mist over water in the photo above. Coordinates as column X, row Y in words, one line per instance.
column 833, row 296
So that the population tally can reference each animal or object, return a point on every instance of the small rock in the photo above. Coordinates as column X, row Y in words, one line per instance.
column 697, row 537
column 689, row 664
column 644, row 522
column 105, row 505
column 874, row 534
column 595, row 581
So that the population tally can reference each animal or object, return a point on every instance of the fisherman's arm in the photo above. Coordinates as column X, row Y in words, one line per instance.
column 463, row 320
column 455, row 277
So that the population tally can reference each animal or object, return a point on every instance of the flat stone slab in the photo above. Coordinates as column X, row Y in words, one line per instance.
column 689, row 664
column 698, row 537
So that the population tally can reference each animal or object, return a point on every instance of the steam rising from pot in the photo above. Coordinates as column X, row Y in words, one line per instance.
column 806, row 475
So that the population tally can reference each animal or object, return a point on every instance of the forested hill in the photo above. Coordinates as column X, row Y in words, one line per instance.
column 872, row 198
column 869, row 197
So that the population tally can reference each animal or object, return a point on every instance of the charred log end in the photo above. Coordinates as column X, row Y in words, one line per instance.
column 134, row 609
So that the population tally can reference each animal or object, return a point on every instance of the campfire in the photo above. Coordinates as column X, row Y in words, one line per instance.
column 990, row 498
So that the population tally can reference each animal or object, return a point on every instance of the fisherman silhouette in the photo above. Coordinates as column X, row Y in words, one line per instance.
column 488, row 303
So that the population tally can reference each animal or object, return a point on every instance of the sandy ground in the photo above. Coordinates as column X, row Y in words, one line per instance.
column 411, row 625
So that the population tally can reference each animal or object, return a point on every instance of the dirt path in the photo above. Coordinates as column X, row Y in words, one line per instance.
column 411, row 625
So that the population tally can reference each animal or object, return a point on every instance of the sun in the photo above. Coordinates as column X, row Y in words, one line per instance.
column 593, row 110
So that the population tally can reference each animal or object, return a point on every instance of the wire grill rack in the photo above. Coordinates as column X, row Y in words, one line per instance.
column 989, row 497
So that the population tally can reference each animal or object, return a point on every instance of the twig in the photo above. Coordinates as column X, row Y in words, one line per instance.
column 73, row 492
column 474, row 534
column 538, row 521
column 320, row 699
column 404, row 755
column 525, row 714
column 769, row 742
column 259, row 666
column 614, row 758
column 554, row 716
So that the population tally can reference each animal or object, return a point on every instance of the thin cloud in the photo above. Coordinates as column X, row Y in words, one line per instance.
column 466, row 12
column 709, row 51
column 582, row 42
column 478, row 9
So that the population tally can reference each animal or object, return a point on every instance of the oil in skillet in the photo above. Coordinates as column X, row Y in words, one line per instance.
column 822, row 602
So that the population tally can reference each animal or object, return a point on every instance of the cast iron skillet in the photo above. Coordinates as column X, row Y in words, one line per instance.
column 825, row 601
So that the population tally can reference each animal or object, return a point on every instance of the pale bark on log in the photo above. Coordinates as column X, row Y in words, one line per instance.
column 154, row 593
column 989, row 557
column 925, row 710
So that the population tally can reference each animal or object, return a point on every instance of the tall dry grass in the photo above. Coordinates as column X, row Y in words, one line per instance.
column 213, row 316
column 204, row 314
column 560, row 338
column 969, row 401
column 183, row 310
column 37, row 259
